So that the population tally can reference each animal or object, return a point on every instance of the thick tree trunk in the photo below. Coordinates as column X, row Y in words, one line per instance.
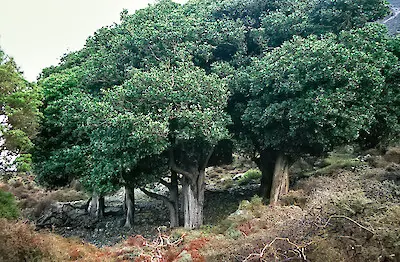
column 174, row 198
column 280, row 183
column 96, row 206
column 193, row 187
column 193, row 202
column 266, row 164
column 129, row 207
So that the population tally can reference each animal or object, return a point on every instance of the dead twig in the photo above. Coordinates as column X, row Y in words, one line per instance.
column 158, row 246
column 300, row 249
column 349, row 219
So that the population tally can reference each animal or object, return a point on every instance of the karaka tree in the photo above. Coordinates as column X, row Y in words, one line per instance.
column 192, row 104
column 311, row 94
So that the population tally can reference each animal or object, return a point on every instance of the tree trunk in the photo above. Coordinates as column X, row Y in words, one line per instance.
column 173, row 219
column 171, row 202
column 173, row 198
column 100, row 207
column 96, row 206
column 129, row 206
column 193, row 187
column 92, row 207
column 280, row 183
column 266, row 165
column 193, row 202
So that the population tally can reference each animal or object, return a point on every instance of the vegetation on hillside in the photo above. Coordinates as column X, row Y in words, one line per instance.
column 153, row 101
column 350, row 214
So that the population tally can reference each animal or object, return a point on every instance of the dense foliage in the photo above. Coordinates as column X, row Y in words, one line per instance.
column 310, row 94
column 158, row 91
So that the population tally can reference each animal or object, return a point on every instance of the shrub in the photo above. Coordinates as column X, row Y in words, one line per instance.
column 393, row 155
column 251, row 174
column 8, row 206
column 335, row 162
column 40, row 207
column 227, row 183
column 19, row 242
column 297, row 198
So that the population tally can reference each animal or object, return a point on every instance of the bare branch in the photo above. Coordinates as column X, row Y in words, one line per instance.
column 349, row 219
column 154, row 195
column 165, row 183
column 299, row 248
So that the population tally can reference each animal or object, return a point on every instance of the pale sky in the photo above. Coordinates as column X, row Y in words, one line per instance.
column 38, row 32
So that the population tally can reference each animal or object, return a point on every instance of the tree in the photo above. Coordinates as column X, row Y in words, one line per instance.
column 271, row 23
column 59, row 147
column 123, row 144
column 19, row 114
column 191, row 104
column 311, row 94
column 339, row 15
column 172, row 200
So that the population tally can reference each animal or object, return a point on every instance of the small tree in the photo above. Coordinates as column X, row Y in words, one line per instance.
column 19, row 113
column 8, row 206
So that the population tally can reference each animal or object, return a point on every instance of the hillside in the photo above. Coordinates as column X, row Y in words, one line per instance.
column 210, row 131
column 347, row 209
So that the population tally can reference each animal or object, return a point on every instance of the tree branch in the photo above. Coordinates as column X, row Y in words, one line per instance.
column 174, row 167
column 349, row 219
column 155, row 195
column 204, row 166
column 152, row 52
column 165, row 183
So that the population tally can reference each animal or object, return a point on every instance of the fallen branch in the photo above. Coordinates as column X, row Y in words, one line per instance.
column 158, row 246
column 299, row 249
column 349, row 219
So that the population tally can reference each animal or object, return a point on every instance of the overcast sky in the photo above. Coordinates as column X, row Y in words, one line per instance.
column 38, row 32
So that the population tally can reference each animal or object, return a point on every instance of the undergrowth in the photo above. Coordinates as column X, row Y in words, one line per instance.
column 348, row 212
column 8, row 206
column 20, row 242
column 251, row 174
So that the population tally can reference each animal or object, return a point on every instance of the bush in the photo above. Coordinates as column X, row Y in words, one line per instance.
column 335, row 162
column 19, row 242
column 8, row 206
column 251, row 174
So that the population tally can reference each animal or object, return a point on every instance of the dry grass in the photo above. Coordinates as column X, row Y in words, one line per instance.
column 350, row 215
column 393, row 155
column 21, row 243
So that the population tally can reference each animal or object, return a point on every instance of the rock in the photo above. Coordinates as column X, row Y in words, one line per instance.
column 238, row 176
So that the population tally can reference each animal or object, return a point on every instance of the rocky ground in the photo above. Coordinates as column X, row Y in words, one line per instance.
column 222, row 195
column 150, row 214
column 344, row 207
column 393, row 20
